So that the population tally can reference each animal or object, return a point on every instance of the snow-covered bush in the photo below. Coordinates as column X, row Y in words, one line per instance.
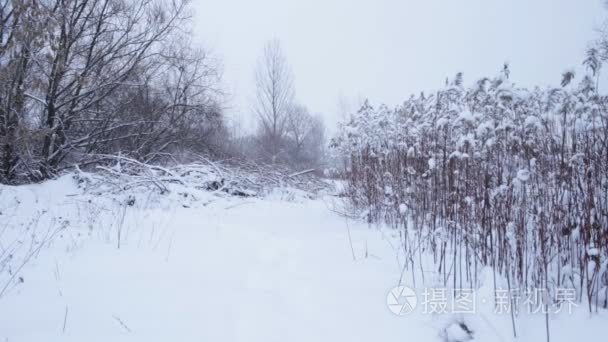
column 493, row 174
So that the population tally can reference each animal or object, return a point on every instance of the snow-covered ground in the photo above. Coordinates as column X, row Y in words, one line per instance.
column 229, row 269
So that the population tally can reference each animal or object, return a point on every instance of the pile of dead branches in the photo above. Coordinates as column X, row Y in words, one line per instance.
column 229, row 177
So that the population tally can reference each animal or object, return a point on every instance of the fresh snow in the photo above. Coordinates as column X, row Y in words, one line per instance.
column 231, row 269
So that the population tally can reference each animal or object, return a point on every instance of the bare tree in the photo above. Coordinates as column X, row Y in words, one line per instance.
column 21, row 34
column 100, row 44
column 274, row 98
column 86, row 77
column 177, row 104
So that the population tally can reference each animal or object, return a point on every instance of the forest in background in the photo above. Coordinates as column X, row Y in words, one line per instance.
column 84, row 80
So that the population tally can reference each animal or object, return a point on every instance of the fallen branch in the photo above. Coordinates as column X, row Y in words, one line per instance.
column 301, row 173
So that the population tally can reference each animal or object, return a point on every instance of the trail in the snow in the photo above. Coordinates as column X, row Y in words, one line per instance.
column 261, row 271
column 227, row 269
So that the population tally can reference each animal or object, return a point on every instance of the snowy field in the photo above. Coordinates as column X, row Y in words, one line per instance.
column 219, row 269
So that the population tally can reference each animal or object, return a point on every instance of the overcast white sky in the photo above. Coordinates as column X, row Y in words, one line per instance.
column 385, row 50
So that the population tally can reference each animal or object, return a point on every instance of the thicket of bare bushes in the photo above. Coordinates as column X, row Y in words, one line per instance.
column 80, row 78
column 491, row 175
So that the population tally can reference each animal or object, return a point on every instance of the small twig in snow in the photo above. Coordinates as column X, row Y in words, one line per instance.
column 122, row 323
column 237, row 205
column 65, row 319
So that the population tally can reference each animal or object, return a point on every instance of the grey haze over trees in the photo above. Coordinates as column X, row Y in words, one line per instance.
column 287, row 132
column 274, row 98
column 80, row 79
column 305, row 137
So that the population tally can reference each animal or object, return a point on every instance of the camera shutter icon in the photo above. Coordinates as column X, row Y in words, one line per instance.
column 401, row 300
